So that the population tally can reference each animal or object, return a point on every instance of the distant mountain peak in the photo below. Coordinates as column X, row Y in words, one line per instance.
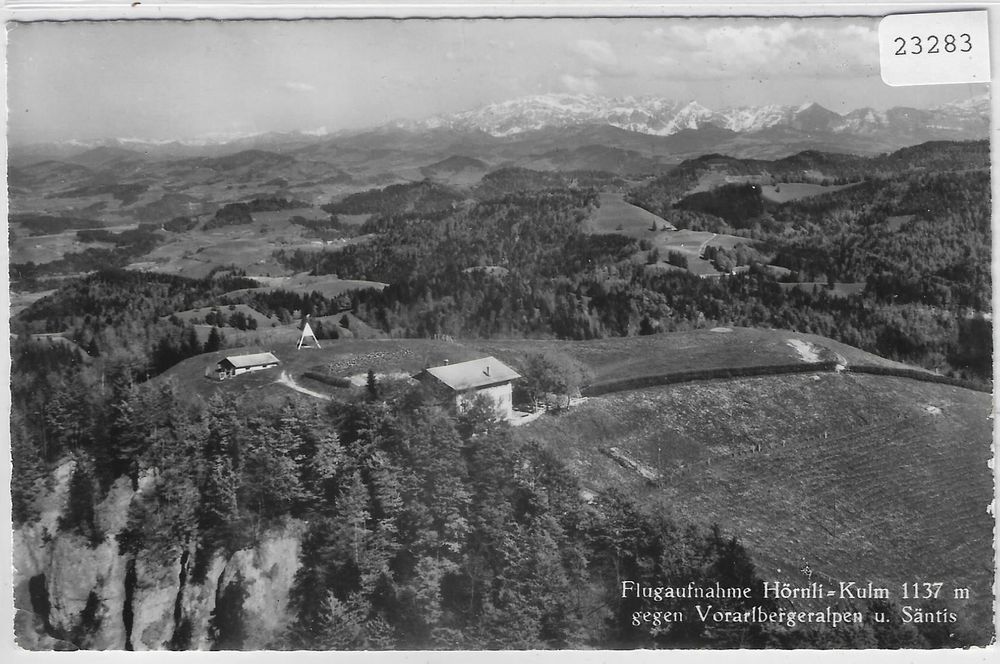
column 664, row 117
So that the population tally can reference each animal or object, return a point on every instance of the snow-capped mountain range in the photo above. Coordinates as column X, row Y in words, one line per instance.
column 661, row 117
column 562, row 121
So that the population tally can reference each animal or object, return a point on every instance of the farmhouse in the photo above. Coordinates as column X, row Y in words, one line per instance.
column 234, row 365
column 463, row 382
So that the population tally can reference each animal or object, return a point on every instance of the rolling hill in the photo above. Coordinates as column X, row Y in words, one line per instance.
column 860, row 477
column 608, row 360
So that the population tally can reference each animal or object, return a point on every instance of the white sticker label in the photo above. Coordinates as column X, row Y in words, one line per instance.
column 929, row 49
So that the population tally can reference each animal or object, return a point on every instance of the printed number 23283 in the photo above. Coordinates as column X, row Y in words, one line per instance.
column 932, row 44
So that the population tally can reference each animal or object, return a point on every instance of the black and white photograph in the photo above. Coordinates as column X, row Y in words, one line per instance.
column 567, row 333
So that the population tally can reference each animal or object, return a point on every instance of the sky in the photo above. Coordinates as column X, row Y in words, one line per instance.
column 167, row 80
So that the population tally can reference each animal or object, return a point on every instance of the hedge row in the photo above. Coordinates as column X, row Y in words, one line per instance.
column 640, row 382
column 335, row 381
column 916, row 374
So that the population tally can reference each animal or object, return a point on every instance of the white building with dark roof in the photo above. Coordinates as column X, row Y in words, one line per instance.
column 463, row 382
column 234, row 365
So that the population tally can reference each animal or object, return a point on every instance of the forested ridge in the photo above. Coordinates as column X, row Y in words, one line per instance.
column 812, row 166
column 916, row 238
column 123, row 318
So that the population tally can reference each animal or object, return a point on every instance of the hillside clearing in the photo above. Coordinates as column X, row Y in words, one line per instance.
column 616, row 216
column 303, row 283
column 855, row 475
column 47, row 248
column 192, row 315
column 793, row 191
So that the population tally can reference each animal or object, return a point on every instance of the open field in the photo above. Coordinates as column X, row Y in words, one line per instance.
column 713, row 179
column 283, row 217
column 860, row 477
column 47, row 248
column 636, row 223
column 353, row 219
column 20, row 301
column 692, row 244
column 793, row 191
column 629, row 357
column 197, row 254
column 248, row 246
column 337, row 357
column 227, row 310
column 617, row 216
column 328, row 286
column 272, row 334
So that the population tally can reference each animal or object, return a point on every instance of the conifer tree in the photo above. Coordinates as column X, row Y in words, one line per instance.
column 214, row 341
column 78, row 516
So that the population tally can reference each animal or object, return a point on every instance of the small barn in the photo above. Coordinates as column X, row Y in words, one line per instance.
column 234, row 365
column 463, row 382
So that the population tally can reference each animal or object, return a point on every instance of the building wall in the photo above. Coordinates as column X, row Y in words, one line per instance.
column 500, row 395
column 223, row 373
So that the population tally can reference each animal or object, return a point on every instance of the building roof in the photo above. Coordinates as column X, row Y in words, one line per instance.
column 251, row 360
column 483, row 372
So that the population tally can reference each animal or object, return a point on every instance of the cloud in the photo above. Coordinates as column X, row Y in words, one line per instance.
column 599, row 55
column 795, row 48
column 597, row 51
column 579, row 84
column 299, row 86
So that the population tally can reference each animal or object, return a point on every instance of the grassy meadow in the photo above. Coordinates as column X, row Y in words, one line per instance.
column 860, row 477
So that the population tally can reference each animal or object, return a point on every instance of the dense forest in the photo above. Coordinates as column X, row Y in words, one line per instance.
column 242, row 213
column 423, row 196
column 514, row 180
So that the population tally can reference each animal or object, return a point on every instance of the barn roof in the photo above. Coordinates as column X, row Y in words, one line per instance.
column 251, row 360
column 483, row 372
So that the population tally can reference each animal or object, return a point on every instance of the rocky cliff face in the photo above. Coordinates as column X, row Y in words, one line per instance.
column 71, row 594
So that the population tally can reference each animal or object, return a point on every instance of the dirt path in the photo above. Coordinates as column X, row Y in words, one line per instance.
column 286, row 379
column 807, row 352
column 703, row 245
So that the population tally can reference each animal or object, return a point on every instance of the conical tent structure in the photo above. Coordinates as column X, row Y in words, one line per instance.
column 308, row 337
